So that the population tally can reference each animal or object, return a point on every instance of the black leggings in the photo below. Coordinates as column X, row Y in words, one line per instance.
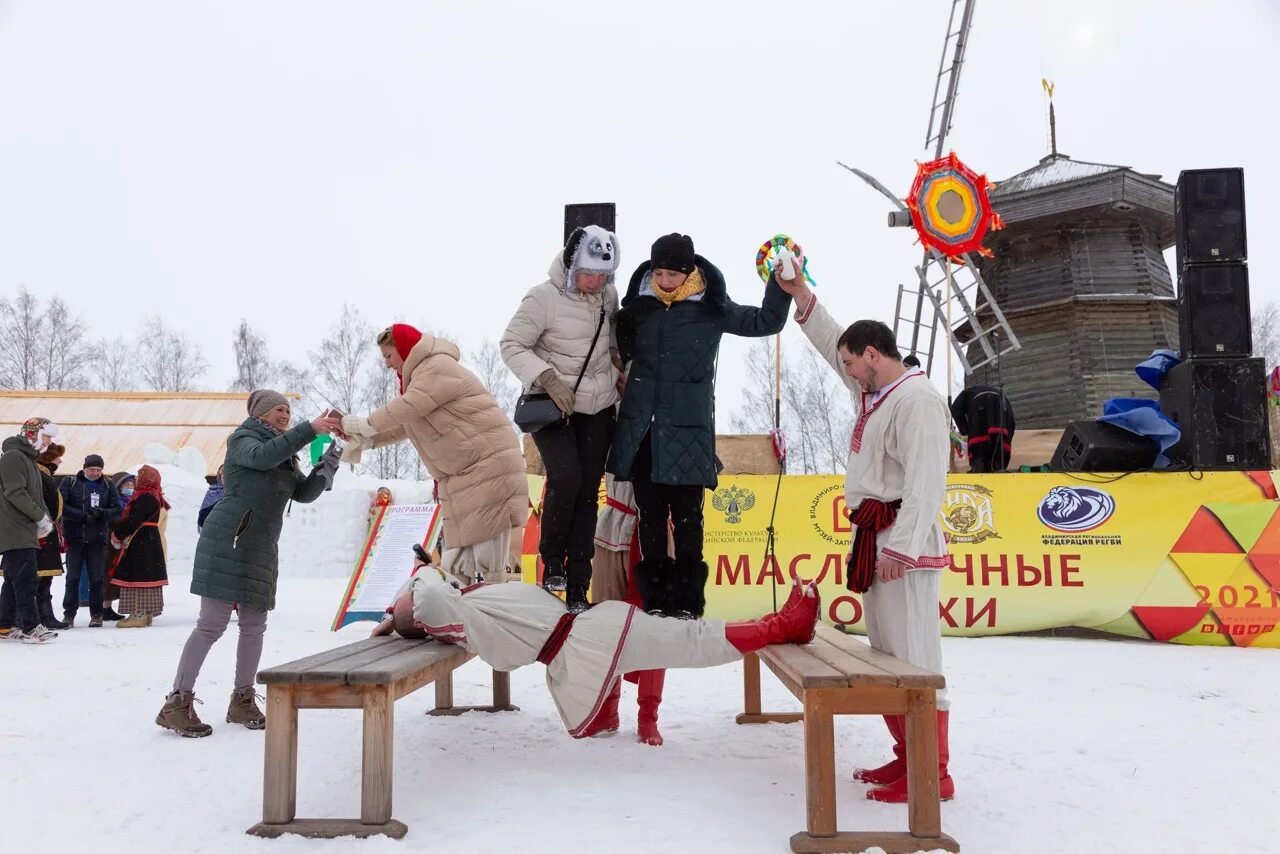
column 574, row 453
column 657, row 501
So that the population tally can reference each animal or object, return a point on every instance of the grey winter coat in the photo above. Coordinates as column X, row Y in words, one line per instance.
column 553, row 328
column 22, row 504
column 236, row 556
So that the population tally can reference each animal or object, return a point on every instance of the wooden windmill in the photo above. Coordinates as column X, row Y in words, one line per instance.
column 948, row 290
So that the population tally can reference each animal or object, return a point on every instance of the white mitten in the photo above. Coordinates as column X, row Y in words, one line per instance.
column 44, row 527
column 355, row 447
column 354, row 425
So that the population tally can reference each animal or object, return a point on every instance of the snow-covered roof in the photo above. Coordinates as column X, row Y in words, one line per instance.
column 119, row 425
column 1053, row 169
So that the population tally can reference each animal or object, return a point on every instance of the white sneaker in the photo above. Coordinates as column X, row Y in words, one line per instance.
column 37, row 635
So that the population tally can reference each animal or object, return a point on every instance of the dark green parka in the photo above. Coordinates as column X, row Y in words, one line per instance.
column 236, row 556
column 22, row 505
column 671, row 381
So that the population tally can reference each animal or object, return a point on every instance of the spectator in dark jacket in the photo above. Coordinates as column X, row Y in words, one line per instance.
column 211, row 499
column 49, row 558
column 126, row 485
column 23, row 523
column 90, row 504
column 676, row 310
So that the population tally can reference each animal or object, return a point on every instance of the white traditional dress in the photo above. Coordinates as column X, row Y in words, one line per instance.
column 899, row 450
column 511, row 625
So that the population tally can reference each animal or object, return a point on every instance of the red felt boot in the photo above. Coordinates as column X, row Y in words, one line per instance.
column 794, row 623
column 606, row 720
column 896, row 792
column 650, row 685
column 896, row 767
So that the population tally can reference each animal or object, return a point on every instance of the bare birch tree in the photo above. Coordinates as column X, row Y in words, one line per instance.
column 113, row 364
column 168, row 361
column 253, row 366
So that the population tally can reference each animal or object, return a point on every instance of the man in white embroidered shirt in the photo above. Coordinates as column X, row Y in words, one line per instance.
column 895, row 486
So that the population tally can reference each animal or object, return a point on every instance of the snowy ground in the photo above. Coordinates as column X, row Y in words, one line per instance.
column 1058, row 745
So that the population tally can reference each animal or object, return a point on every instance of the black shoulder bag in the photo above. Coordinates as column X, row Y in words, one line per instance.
column 536, row 409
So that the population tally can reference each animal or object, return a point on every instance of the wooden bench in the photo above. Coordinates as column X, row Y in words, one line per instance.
column 838, row 674
column 371, row 675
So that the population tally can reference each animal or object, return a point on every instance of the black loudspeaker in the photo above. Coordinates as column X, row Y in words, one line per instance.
column 1221, row 407
column 1208, row 216
column 603, row 214
column 1213, row 310
column 1098, row 446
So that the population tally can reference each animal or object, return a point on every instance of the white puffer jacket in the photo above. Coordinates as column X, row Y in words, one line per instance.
column 553, row 328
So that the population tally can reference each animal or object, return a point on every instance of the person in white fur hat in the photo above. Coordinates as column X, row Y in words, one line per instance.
column 562, row 340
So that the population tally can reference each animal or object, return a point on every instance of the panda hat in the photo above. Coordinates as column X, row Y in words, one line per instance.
column 592, row 249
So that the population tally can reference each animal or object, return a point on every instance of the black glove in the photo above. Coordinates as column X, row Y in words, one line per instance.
column 93, row 514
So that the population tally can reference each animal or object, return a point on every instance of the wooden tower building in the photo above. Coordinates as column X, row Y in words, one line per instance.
column 1080, row 274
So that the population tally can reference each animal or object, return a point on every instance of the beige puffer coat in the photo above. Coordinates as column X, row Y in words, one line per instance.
column 553, row 329
column 466, row 442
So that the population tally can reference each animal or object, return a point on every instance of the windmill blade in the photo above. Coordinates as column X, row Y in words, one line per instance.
column 898, row 203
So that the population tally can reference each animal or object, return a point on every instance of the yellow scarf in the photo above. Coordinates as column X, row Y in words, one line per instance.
column 692, row 286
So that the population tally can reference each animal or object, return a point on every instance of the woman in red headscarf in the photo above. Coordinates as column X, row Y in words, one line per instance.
column 466, row 442
column 139, row 569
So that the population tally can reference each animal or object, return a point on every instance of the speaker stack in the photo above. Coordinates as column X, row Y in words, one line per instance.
column 1217, row 395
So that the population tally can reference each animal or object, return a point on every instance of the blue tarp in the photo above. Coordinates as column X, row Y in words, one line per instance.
column 1144, row 416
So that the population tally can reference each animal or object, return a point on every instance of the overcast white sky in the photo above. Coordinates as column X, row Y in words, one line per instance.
column 269, row 160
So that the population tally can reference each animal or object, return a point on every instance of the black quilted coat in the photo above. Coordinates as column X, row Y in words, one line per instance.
column 671, row 382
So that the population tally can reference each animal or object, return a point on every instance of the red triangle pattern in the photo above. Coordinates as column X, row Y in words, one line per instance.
column 1245, row 625
column 1205, row 535
column 1268, row 566
column 1265, row 483
column 1166, row 622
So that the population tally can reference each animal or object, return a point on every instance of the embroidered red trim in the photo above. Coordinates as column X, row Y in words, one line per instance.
column 577, row 731
column 813, row 301
column 557, row 638
column 855, row 441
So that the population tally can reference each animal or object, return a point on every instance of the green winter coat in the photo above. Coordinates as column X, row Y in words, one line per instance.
column 236, row 556
column 670, row 391
column 22, row 502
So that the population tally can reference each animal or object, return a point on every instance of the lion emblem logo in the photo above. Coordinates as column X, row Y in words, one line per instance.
column 733, row 501
column 1075, row 509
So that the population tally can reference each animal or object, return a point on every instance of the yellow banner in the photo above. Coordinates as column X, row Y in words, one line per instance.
column 1180, row 557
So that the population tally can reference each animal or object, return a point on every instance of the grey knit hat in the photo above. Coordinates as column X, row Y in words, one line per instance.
column 263, row 401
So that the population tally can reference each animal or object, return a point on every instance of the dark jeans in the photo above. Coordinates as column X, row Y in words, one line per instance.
column 92, row 556
column 657, row 501
column 574, row 454
column 18, row 595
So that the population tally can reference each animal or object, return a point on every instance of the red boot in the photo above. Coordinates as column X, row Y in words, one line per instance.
column 795, row 623
column 896, row 792
column 895, row 768
column 650, row 686
column 606, row 720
